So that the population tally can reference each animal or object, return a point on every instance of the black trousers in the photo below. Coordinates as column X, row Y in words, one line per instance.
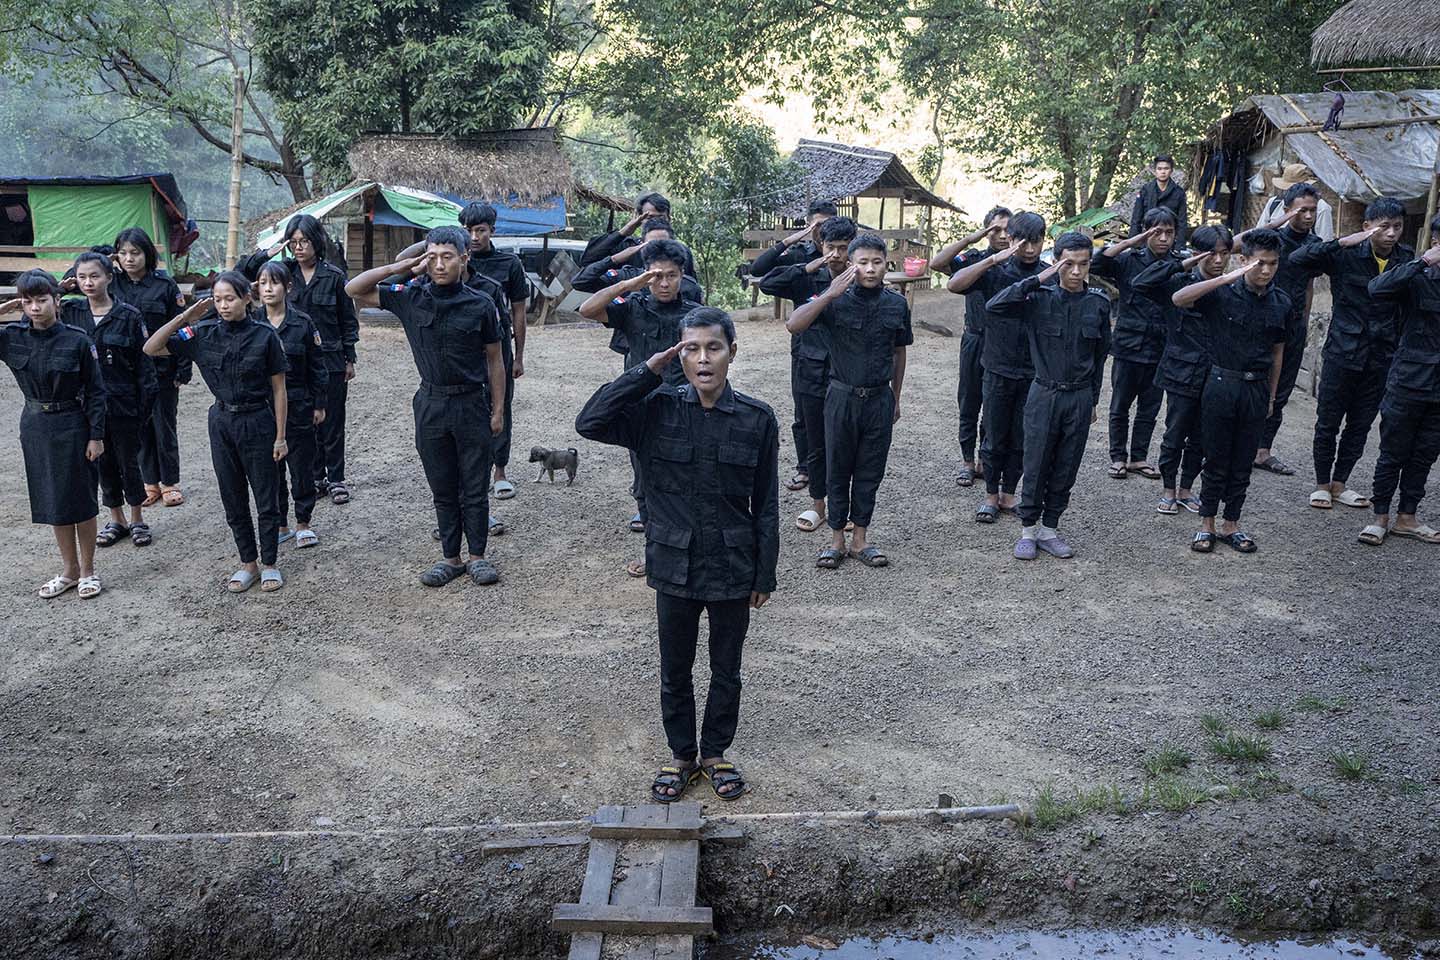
column 799, row 429
column 1002, row 443
column 1296, row 329
column 1232, row 421
column 968, row 393
column 1056, row 425
column 500, row 448
column 1132, row 383
column 679, row 622
column 242, row 448
column 160, row 441
column 299, row 463
column 636, row 489
column 1351, row 397
column 1409, row 445
column 452, row 436
column 857, row 447
column 120, row 480
column 330, row 435
column 1182, row 446
column 812, row 415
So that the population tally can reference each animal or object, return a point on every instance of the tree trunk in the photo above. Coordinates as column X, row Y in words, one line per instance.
column 293, row 171
column 404, row 104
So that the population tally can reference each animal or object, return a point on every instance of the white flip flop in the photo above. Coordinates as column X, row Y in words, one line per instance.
column 1373, row 535
column 1321, row 500
column 305, row 538
column 1352, row 499
column 1424, row 533
column 504, row 490
column 809, row 521
column 241, row 580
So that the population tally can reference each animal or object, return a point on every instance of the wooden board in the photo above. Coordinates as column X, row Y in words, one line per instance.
column 643, row 920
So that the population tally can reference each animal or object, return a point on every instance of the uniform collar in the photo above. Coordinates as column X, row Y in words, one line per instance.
column 725, row 403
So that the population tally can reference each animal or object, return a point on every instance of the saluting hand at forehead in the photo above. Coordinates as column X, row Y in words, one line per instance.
column 663, row 359
column 842, row 283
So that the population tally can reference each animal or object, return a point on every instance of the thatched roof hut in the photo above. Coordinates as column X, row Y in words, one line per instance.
column 1379, row 31
column 840, row 172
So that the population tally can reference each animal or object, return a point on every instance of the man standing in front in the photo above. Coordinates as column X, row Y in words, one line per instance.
column 711, row 461
column 1162, row 192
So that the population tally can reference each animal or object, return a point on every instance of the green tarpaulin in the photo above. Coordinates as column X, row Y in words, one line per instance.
column 424, row 210
column 84, row 216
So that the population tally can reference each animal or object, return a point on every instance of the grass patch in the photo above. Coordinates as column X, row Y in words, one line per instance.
column 1270, row 720
column 1052, row 811
column 1212, row 724
column 1174, row 794
column 1314, row 703
column 1349, row 765
column 1166, row 760
column 1241, row 748
column 1411, row 788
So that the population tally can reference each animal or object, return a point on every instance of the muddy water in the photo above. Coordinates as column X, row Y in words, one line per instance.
column 1144, row 944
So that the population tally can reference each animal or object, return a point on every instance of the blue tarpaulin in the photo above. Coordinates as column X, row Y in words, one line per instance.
column 516, row 219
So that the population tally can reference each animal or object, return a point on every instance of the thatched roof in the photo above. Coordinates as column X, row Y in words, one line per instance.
column 1382, row 32
column 527, row 165
column 835, row 171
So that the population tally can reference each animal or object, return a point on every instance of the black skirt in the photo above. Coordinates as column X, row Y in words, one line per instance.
column 61, row 481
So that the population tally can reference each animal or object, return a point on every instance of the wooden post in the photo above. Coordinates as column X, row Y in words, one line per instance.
column 1422, row 242
column 881, row 224
column 237, row 168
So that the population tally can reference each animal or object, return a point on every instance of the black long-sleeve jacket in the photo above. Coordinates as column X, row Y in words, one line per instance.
column 1069, row 332
column 1415, row 289
column 1363, row 328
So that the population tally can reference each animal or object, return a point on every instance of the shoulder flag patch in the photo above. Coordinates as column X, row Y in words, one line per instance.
column 186, row 333
column 394, row 287
column 612, row 272
column 180, row 300
column 618, row 300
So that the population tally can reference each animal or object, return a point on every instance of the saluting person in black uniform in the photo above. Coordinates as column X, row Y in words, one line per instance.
column 1244, row 315
column 647, row 309
column 810, row 354
column 1185, row 364
column 454, row 335
column 869, row 328
column 317, row 289
column 243, row 363
column 1410, row 414
column 1004, row 357
column 158, row 298
column 62, row 425
column 306, row 378
column 713, row 537
column 119, row 333
column 1068, row 324
column 650, row 206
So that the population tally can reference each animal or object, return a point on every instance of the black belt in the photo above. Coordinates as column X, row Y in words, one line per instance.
column 1066, row 385
column 53, row 406
column 240, row 407
column 1224, row 374
column 453, row 389
column 861, row 392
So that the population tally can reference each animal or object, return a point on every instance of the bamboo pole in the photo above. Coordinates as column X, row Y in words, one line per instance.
column 237, row 169
column 1422, row 242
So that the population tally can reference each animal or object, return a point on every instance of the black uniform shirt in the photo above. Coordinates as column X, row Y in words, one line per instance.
column 1006, row 348
column 711, row 482
column 1140, row 322
column 1186, row 361
column 791, row 282
column 159, row 300
column 779, row 255
column 1241, row 327
column 604, row 272
column 975, row 297
column 1416, row 289
column 609, row 244
column 448, row 328
column 1363, row 329
column 864, row 326
column 507, row 271
column 649, row 327
column 56, row 364
column 1173, row 199
column 1069, row 332
column 130, row 382
column 305, row 375
column 1290, row 278
column 237, row 360
column 323, row 300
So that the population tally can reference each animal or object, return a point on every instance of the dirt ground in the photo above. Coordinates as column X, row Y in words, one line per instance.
column 357, row 699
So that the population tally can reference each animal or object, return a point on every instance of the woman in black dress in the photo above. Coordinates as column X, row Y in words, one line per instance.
column 62, row 428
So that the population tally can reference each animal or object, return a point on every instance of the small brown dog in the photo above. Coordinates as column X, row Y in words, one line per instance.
column 552, row 460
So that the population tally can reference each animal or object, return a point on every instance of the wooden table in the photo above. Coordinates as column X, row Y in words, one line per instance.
column 906, row 284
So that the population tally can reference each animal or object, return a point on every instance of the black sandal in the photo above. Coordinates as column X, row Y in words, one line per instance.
column 987, row 513
column 798, row 482
column 339, row 493
column 111, row 534
column 676, row 778
column 1241, row 542
column 829, row 558
column 482, row 573
column 966, row 477
column 871, row 557
column 140, row 534
column 725, row 774
column 441, row 574
column 1204, row 541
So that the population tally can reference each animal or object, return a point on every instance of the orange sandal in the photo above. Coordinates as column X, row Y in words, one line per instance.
column 152, row 495
column 173, row 497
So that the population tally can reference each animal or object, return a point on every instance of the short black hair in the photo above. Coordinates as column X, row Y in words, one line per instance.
column 1158, row 217
column 103, row 248
column 657, row 223
column 140, row 239
column 1164, row 158
column 477, row 213
column 708, row 317
column 1072, row 240
column 1385, row 208
column 1205, row 239
column 277, row 271
column 670, row 251
column 822, row 206
column 449, row 237
column 312, row 231
column 993, row 213
column 1296, row 191
column 90, row 256
column 1026, row 226
column 236, row 281
column 866, row 241
column 1261, row 239
column 656, row 200
column 838, row 230
column 36, row 283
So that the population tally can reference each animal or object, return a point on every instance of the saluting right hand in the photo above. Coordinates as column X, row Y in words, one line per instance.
column 1194, row 258
column 642, row 280
column 282, row 245
column 1239, row 272
column 1355, row 239
column 10, row 306
column 1000, row 256
column 799, row 236
column 1431, row 257
column 69, row 285
column 661, row 360
column 416, row 265
column 841, row 283
column 814, row 265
